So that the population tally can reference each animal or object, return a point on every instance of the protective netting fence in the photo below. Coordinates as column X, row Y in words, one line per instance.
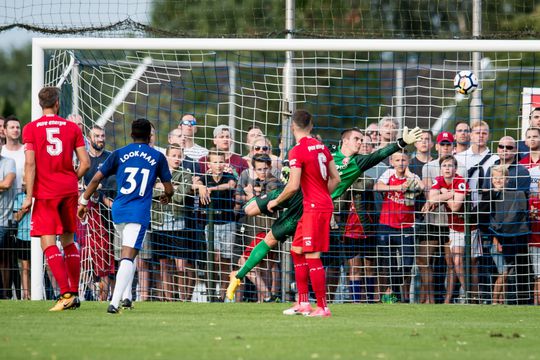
column 259, row 18
column 406, row 252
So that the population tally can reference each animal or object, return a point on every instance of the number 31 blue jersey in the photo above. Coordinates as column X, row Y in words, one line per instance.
column 136, row 167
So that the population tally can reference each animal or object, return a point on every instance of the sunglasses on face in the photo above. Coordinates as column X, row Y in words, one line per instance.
column 507, row 147
column 189, row 122
column 263, row 148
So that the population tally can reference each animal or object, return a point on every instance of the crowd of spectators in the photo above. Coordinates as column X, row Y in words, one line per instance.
column 450, row 221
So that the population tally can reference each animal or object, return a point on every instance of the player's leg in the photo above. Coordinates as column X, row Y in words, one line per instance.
column 316, row 239
column 252, row 208
column 132, row 238
column 72, row 257
column 258, row 253
column 47, row 223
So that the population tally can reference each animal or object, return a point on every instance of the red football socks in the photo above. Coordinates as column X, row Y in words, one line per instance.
column 58, row 267
column 72, row 259
column 318, row 280
column 301, row 275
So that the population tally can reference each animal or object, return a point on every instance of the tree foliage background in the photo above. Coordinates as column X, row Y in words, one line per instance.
column 501, row 19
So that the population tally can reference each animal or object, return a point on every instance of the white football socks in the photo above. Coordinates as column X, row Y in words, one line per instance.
column 124, row 277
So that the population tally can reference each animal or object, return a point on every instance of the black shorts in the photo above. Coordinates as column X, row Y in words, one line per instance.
column 334, row 256
column 171, row 244
column 429, row 232
column 23, row 249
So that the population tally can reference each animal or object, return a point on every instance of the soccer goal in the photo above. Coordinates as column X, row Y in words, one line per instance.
column 256, row 83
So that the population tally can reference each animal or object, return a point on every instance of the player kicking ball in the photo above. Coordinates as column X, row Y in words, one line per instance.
column 312, row 167
column 350, row 165
column 136, row 166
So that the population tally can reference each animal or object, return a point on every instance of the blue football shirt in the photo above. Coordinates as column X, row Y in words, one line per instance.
column 136, row 167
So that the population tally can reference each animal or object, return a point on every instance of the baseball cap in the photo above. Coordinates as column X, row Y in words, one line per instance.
column 445, row 136
column 220, row 128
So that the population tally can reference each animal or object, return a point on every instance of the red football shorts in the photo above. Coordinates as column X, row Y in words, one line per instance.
column 313, row 232
column 54, row 216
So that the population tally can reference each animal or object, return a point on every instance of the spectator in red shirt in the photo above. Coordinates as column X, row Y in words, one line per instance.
column 396, row 230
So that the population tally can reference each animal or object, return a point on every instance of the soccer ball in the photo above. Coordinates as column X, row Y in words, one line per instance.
column 465, row 82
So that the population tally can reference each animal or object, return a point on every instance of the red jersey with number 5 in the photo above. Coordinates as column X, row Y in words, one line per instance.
column 313, row 158
column 53, row 140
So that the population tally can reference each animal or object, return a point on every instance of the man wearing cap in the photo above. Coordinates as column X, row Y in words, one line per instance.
column 435, row 241
column 188, row 125
column 222, row 141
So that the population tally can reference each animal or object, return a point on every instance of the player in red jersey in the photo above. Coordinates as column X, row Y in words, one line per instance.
column 53, row 181
column 312, row 169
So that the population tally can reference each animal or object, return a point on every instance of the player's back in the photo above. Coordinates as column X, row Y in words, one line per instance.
column 314, row 158
column 136, row 167
column 53, row 140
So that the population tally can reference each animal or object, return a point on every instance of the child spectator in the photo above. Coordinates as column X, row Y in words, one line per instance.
column 449, row 189
column 508, row 225
column 396, row 230
column 257, row 181
column 216, row 191
column 168, row 235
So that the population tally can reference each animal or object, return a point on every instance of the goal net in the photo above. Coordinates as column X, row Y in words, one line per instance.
column 247, row 90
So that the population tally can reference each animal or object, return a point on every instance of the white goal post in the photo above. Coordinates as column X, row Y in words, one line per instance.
column 40, row 45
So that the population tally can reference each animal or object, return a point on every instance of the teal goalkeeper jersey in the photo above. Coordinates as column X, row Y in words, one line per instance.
column 351, row 168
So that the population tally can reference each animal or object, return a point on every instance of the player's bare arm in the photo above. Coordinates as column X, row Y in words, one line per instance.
column 84, row 161
column 169, row 192
column 293, row 185
column 90, row 190
column 333, row 177
column 29, row 177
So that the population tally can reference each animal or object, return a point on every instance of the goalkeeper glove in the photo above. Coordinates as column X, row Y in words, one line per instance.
column 410, row 136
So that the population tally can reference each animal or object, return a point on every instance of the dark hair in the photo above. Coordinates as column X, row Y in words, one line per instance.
column 251, row 127
column 302, row 118
column 265, row 158
column 428, row 132
column 141, row 130
column 11, row 118
column 347, row 132
column 448, row 157
column 48, row 96
column 461, row 122
column 529, row 129
column 533, row 110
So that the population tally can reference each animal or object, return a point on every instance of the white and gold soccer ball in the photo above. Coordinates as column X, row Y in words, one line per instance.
column 465, row 82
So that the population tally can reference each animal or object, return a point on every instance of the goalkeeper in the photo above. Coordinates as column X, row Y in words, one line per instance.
column 350, row 165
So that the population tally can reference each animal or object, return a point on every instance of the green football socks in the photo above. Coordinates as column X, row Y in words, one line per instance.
column 257, row 254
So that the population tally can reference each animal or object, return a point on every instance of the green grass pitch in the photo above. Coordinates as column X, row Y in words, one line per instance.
column 259, row 331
